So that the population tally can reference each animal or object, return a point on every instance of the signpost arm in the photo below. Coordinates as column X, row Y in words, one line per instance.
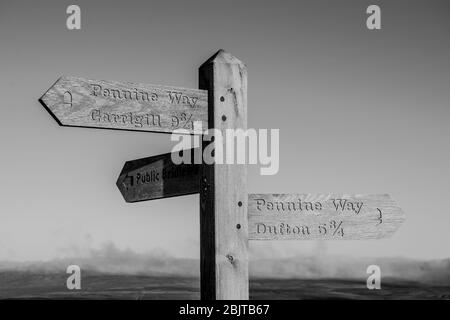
column 223, row 193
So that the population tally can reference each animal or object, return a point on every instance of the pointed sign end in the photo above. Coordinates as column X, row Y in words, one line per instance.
column 46, row 99
column 43, row 101
column 120, row 184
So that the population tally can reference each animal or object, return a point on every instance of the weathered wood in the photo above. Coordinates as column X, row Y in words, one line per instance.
column 158, row 177
column 322, row 216
column 223, row 196
column 124, row 105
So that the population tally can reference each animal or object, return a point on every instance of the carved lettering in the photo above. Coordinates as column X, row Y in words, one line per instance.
column 331, row 229
column 344, row 204
column 130, row 118
column 155, row 175
column 286, row 206
column 176, row 97
column 122, row 94
column 282, row 229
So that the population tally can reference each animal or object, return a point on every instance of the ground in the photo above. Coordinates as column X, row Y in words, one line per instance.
column 44, row 285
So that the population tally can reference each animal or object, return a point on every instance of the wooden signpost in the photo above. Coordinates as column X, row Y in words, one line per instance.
column 229, row 217
column 223, row 197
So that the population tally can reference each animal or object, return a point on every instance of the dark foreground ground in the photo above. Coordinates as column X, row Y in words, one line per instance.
column 25, row 285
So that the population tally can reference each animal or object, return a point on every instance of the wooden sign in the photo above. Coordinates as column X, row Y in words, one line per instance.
column 322, row 216
column 157, row 177
column 124, row 105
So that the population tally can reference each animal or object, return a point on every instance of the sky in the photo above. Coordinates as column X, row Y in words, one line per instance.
column 359, row 111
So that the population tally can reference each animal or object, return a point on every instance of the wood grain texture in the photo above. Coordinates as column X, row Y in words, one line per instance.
column 322, row 216
column 223, row 196
column 124, row 105
column 158, row 177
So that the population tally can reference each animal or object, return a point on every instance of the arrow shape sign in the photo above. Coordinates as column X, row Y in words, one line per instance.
column 124, row 105
column 322, row 216
column 158, row 177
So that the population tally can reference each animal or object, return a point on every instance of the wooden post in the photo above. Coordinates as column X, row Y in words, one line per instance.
column 223, row 195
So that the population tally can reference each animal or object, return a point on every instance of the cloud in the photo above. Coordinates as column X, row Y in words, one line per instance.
column 113, row 260
column 344, row 267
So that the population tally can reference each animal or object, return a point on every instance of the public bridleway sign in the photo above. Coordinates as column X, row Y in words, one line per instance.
column 157, row 177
